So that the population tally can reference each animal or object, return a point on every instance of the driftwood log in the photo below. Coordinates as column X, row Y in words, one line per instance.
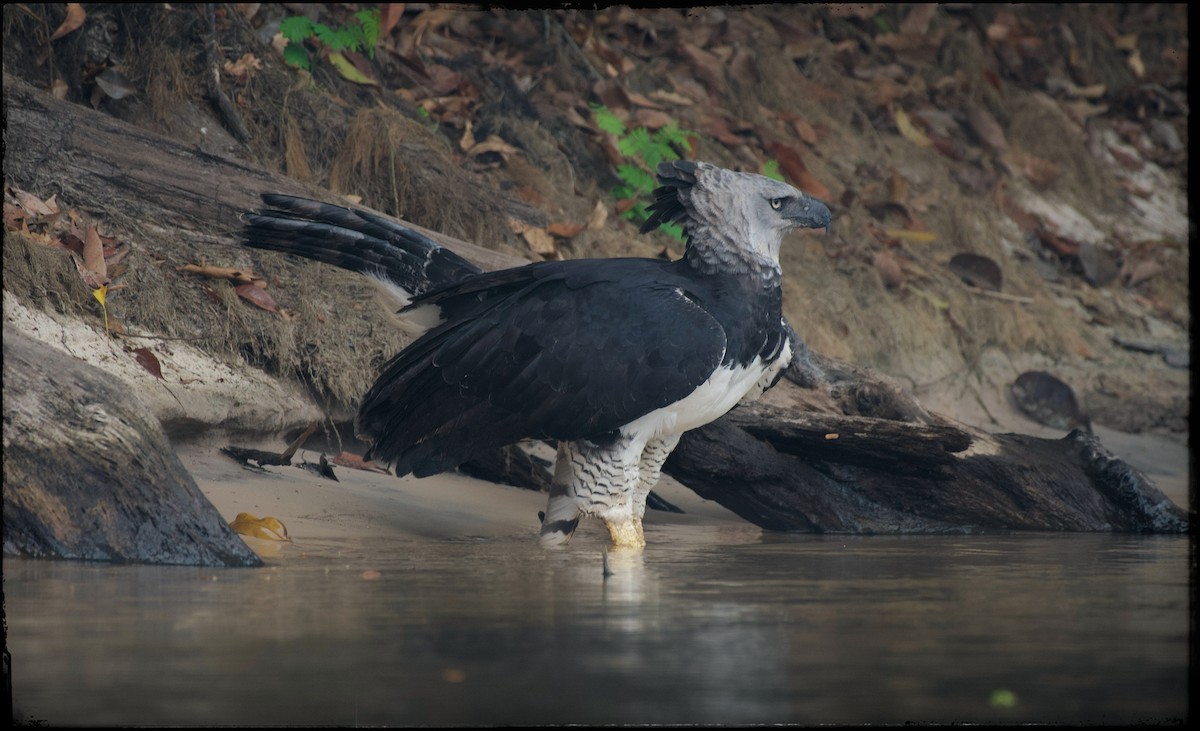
column 835, row 447
column 89, row 474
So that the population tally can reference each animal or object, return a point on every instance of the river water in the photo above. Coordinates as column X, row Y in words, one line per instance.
column 711, row 624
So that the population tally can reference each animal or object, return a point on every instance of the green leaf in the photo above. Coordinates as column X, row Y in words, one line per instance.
column 675, row 230
column 637, row 213
column 326, row 35
column 670, row 133
column 295, row 55
column 607, row 121
column 296, row 28
column 636, row 143
column 636, row 178
column 370, row 21
column 771, row 170
column 349, row 71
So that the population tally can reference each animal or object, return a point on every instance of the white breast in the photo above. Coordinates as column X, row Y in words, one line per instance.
column 711, row 400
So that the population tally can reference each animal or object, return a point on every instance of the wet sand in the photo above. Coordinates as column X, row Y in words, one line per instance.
column 370, row 505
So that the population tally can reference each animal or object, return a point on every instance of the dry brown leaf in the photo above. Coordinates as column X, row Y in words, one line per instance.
column 15, row 217
column 540, row 242
column 671, row 97
column 911, row 133
column 355, row 462
column 75, row 17
column 493, row 144
column 806, row 132
column 94, row 269
column 257, row 296
column 888, row 267
column 279, row 43
column 791, row 163
column 467, row 140
column 1125, row 157
column 564, row 230
column 1057, row 243
column 93, row 251
column 243, row 69
column 642, row 101
column 1133, row 274
column 918, row 19
column 708, row 67
column 921, row 203
column 987, row 128
column 717, row 127
column 32, row 203
column 652, row 118
column 149, row 361
column 1025, row 220
column 1039, row 171
column 743, row 67
column 389, row 16
column 1135, row 189
column 241, row 275
column 613, row 96
column 598, row 217
column 59, row 89
column 91, row 278
column 574, row 117
column 431, row 20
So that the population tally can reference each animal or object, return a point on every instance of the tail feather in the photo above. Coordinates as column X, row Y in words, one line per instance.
column 355, row 240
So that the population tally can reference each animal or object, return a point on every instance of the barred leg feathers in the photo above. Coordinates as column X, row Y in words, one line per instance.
column 598, row 480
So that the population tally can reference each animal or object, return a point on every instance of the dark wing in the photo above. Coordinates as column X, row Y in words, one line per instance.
column 560, row 350
column 355, row 240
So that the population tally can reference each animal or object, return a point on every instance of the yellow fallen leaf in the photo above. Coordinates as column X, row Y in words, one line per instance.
column 349, row 71
column 914, row 135
column 1127, row 42
column 937, row 302
column 267, row 528
column 100, row 293
column 917, row 237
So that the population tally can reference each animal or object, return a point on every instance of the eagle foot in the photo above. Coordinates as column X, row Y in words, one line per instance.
column 626, row 533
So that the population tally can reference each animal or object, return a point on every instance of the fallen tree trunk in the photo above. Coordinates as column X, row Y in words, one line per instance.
column 833, row 473
column 891, row 467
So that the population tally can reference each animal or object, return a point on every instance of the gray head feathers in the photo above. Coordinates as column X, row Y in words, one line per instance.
column 732, row 214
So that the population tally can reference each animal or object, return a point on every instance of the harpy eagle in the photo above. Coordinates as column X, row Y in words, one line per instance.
column 612, row 358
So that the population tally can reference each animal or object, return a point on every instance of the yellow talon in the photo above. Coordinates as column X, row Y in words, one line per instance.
column 627, row 534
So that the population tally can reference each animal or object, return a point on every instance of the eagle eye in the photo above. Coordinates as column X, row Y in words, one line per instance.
column 777, row 203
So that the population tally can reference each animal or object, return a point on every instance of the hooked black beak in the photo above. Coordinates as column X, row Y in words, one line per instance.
column 812, row 213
